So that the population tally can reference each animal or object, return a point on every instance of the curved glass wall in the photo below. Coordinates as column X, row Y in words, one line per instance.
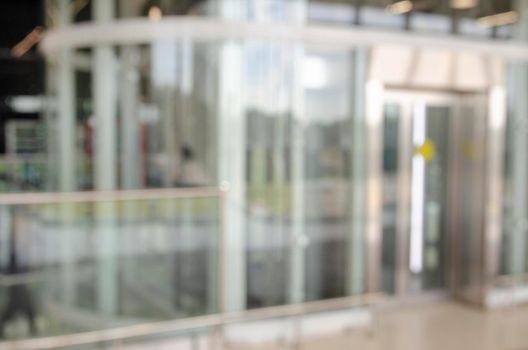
column 168, row 106
column 328, row 181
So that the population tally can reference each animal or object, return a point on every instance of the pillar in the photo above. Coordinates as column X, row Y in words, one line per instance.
column 66, row 107
column 66, row 149
column 105, row 141
column 231, row 163
column 519, row 146
column 355, row 282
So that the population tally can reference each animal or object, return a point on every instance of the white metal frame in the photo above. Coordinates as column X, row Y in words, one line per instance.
column 141, row 30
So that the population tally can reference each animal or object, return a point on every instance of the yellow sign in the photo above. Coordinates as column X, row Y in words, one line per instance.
column 426, row 150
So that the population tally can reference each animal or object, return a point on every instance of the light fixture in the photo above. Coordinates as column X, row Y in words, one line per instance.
column 499, row 19
column 400, row 7
column 463, row 4
column 155, row 14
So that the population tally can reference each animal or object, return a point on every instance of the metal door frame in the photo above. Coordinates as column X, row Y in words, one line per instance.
column 491, row 106
column 409, row 101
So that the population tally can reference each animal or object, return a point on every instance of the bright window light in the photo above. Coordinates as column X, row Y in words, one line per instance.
column 418, row 191
column 315, row 73
column 497, row 107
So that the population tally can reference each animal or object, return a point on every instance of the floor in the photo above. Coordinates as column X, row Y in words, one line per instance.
column 433, row 326
column 438, row 326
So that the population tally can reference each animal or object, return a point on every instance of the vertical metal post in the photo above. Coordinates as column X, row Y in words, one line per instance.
column 129, row 105
column 104, row 101
column 297, row 253
column 519, row 170
column 299, row 239
column 356, row 240
column 374, row 118
column 231, row 162
column 66, row 107
column 405, row 149
column 105, row 111
column 66, row 152
column 494, row 203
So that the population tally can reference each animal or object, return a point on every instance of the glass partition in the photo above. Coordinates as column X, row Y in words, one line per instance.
column 89, row 262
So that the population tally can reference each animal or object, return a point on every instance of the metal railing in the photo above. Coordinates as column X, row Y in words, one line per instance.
column 215, row 322
column 66, row 211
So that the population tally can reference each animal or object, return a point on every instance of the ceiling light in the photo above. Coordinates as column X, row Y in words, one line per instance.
column 499, row 19
column 463, row 4
column 400, row 7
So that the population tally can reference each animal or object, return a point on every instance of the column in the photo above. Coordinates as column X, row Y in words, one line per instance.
column 297, row 292
column 104, row 102
column 66, row 107
column 105, row 113
column 231, row 163
column 356, row 240
column 373, row 185
column 299, row 238
column 519, row 147
column 65, row 132
column 497, row 107
column 131, row 152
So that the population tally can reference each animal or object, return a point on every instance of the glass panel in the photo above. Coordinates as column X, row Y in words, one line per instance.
column 79, row 266
column 434, row 271
column 328, row 136
column 471, row 151
column 429, row 197
column 268, row 173
column 391, row 123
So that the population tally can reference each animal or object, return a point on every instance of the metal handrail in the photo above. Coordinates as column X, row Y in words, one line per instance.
column 120, row 195
column 192, row 323
column 219, row 319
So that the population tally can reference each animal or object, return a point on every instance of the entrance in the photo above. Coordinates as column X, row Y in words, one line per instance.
column 433, row 192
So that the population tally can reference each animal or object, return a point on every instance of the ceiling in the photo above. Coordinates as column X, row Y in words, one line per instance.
column 483, row 8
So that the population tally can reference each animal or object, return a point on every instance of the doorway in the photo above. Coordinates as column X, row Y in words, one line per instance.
column 433, row 192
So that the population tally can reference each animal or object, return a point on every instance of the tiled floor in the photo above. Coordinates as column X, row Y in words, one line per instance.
column 440, row 326
column 434, row 326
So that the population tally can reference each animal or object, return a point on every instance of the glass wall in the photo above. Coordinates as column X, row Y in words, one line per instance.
column 270, row 121
column 83, row 263
column 301, row 138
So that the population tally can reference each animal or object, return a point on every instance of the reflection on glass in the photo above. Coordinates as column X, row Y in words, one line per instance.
column 430, row 271
column 390, row 195
column 91, row 265
column 328, row 136
column 268, row 172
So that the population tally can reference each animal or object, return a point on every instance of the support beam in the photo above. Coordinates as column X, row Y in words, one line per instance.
column 131, row 152
column 299, row 238
column 65, row 131
column 105, row 112
column 232, row 164
column 373, row 186
column 519, row 146
column 355, row 281
column 66, row 107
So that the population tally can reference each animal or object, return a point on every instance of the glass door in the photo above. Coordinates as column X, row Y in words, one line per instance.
column 416, row 171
